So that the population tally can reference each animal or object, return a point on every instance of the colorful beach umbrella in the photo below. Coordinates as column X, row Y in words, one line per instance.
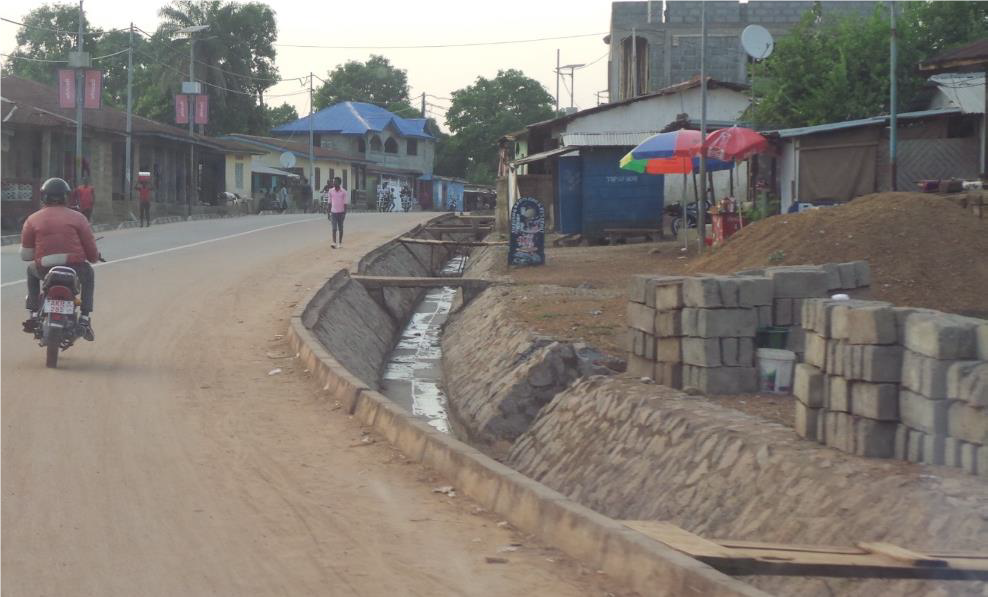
column 673, row 165
column 735, row 143
column 683, row 143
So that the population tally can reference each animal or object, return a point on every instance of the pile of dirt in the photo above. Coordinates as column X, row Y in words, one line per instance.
column 924, row 251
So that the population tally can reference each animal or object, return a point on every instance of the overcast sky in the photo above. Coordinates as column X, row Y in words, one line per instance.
column 437, row 71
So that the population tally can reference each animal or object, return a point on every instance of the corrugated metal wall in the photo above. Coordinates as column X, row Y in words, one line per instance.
column 616, row 198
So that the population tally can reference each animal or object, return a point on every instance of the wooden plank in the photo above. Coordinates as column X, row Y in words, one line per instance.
column 679, row 538
column 750, row 557
column 461, row 243
column 902, row 554
column 370, row 282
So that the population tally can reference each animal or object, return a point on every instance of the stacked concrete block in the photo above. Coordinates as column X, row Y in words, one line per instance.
column 943, row 398
column 720, row 318
column 655, row 327
column 850, row 376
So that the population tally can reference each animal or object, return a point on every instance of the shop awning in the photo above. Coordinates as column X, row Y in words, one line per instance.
column 536, row 157
column 262, row 169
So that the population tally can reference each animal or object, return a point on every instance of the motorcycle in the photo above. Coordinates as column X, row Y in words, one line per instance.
column 58, row 323
column 676, row 212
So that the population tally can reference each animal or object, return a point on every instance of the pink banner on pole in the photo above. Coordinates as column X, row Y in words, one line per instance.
column 181, row 109
column 202, row 109
column 93, row 96
column 66, row 88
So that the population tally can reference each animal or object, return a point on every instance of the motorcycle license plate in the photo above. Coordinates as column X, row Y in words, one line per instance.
column 62, row 307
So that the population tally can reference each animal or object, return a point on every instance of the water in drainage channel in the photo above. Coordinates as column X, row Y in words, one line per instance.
column 414, row 372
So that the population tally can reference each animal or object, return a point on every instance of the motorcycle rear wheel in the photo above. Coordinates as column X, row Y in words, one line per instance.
column 53, row 344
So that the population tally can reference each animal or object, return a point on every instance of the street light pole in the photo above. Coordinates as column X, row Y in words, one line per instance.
column 128, row 167
column 893, row 120
column 79, row 91
column 701, row 224
column 191, row 112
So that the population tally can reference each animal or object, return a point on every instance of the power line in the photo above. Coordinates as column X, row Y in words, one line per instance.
column 432, row 46
column 16, row 57
column 605, row 54
column 62, row 31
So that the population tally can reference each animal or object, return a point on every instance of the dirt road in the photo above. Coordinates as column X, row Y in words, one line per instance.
column 165, row 460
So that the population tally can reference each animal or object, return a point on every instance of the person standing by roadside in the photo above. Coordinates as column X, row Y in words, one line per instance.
column 338, row 200
column 84, row 199
column 144, row 197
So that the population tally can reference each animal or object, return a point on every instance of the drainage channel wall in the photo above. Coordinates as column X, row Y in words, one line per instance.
column 342, row 335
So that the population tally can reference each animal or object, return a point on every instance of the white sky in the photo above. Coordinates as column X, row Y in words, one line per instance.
column 378, row 23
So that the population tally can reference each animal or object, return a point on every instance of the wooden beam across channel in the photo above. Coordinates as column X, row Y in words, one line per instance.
column 867, row 560
column 374, row 282
column 461, row 243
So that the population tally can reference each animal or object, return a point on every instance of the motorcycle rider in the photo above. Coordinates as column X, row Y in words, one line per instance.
column 57, row 235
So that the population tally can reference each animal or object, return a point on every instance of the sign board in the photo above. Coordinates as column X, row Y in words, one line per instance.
column 93, row 90
column 79, row 60
column 527, row 246
column 202, row 109
column 181, row 109
column 191, row 87
column 66, row 88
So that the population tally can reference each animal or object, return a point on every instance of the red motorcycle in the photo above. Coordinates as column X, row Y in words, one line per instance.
column 58, row 321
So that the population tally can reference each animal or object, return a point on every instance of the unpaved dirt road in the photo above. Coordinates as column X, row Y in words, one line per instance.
column 165, row 460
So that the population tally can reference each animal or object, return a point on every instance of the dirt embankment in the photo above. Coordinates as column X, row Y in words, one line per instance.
column 924, row 251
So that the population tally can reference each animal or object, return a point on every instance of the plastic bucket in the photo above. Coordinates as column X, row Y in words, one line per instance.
column 775, row 370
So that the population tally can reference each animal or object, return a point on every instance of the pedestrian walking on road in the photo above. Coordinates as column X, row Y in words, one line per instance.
column 338, row 200
column 144, row 197
column 84, row 199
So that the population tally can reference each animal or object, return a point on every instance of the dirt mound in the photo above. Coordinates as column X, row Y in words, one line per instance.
column 924, row 251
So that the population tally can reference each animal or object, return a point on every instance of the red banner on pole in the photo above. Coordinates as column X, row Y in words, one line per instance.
column 66, row 88
column 202, row 109
column 93, row 91
column 181, row 109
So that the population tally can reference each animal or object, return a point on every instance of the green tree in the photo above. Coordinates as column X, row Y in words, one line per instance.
column 374, row 82
column 234, row 58
column 483, row 112
column 280, row 115
column 829, row 70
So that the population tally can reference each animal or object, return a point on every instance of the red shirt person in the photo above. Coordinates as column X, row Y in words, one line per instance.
column 85, row 199
column 144, row 198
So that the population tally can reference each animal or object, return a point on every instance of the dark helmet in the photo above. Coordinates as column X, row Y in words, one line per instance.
column 55, row 190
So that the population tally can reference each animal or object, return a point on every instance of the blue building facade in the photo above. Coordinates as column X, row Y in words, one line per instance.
column 593, row 193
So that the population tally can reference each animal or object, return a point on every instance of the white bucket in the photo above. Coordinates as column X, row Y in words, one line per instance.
column 775, row 370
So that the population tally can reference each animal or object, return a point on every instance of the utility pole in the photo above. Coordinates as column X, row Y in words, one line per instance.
column 700, row 210
column 79, row 91
column 128, row 167
column 893, row 120
column 312, row 159
column 423, row 104
column 192, row 113
column 557, row 81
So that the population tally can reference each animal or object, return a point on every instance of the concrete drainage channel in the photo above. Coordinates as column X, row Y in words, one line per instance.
column 345, row 334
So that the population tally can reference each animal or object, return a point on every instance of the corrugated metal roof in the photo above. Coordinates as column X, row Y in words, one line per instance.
column 966, row 91
column 850, row 124
column 967, row 55
column 535, row 157
column 263, row 169
column 606, row 139
column 356, row 118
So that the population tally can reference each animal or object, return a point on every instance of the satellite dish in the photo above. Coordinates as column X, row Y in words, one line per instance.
column 757, row 42
column 287, row 159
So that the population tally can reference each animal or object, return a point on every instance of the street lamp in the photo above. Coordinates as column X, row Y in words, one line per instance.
column 572, row 83
column 191, row 88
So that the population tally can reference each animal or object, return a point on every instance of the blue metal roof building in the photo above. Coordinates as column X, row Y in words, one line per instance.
column 356, row 118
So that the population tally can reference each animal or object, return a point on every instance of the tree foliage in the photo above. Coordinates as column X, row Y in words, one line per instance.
column 234, row 58
column 375, row 81
column 830, row 70
column 282, row 114
column 483, row 112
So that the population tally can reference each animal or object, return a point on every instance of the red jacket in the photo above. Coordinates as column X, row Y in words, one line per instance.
column 57, row 235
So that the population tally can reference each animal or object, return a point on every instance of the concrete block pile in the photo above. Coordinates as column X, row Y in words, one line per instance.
column 794, row 284
column 886, row 382
column 699, row 331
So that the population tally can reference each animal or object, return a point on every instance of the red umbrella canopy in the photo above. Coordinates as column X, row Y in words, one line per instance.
column 735, row 143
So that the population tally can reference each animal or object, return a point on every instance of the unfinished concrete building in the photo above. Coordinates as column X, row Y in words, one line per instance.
column 654, row 47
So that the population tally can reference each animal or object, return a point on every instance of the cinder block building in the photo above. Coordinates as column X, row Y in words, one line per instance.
column 653, row 48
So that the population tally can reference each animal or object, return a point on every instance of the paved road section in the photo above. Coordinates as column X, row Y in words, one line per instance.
column 167, row 459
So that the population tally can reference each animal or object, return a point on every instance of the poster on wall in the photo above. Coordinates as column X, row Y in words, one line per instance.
column 527, row 246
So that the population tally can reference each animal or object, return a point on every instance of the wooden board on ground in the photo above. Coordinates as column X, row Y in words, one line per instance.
column 461, row 243
column 867, row 560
